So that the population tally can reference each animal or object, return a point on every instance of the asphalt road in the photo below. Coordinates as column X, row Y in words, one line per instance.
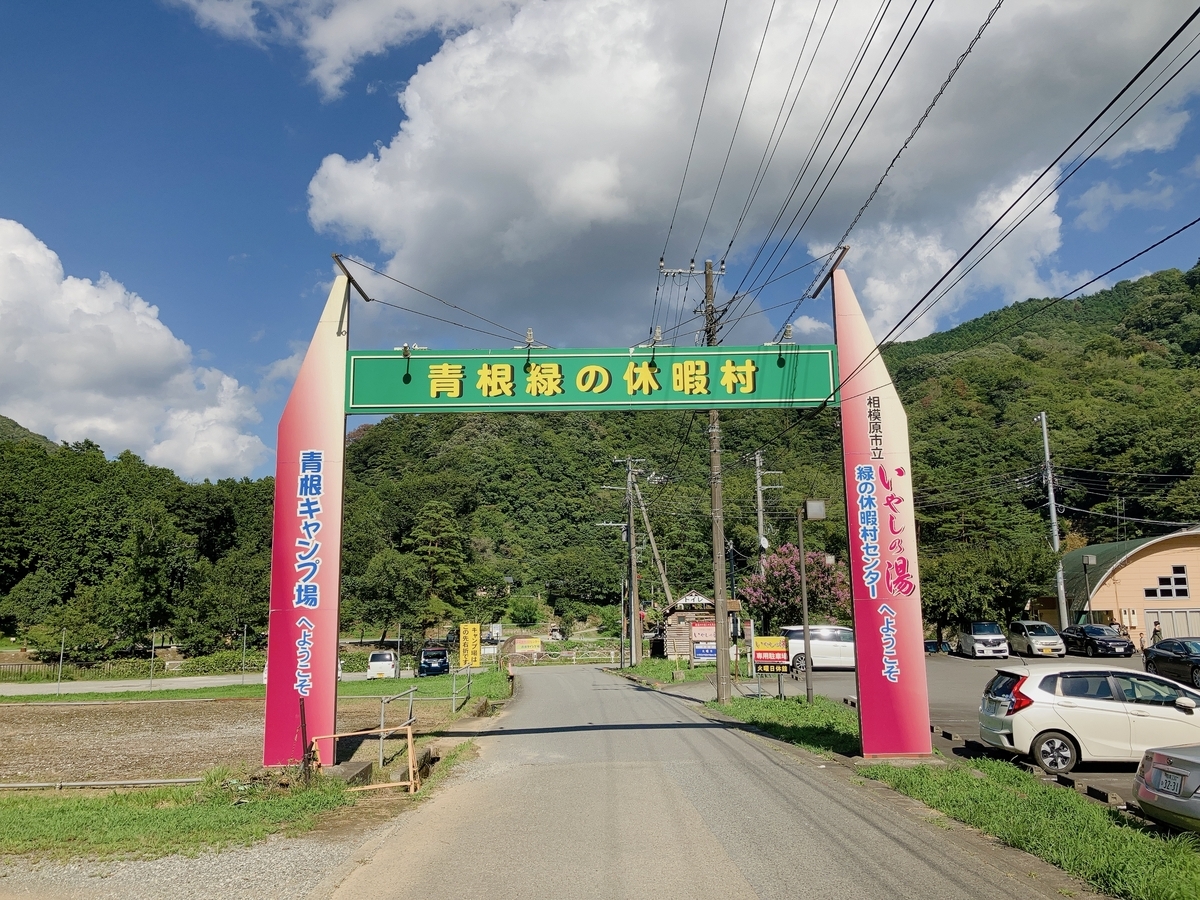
column 589, row 786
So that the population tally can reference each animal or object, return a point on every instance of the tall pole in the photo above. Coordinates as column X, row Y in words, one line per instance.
column 1060, row 585
column 62, row 648
column 624, row 593
column 635, row 620
column 243, row 654
column 758, row 499
column 662, row 572
column 153, row 638
column 808, row 685
column 718, row 510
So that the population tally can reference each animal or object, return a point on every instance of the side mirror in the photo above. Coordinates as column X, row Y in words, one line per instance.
column 1187, row 704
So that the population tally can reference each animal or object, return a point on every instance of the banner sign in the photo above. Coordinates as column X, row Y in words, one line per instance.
column 302, row 640
column 771, row 655
column 468, row 645
column 704, row 631
column 527, row 645
column 893, row 698
column 381, row 382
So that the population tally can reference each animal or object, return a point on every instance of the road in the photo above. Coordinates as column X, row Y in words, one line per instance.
column 590, row 786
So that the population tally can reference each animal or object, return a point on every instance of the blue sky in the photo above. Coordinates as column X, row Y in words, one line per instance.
column 516, row 158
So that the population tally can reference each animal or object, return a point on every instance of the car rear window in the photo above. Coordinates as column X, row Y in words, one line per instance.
column 380, row 657
column 434, row 654
column 1002, row 685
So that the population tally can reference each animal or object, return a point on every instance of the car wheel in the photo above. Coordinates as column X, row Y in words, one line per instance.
column 1090, row 651
column 798, row 662
column 1151, row 668
column 1054, row 752
column 1196, row 677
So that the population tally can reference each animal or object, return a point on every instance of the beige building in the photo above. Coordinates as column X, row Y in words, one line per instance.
column 1135, row 583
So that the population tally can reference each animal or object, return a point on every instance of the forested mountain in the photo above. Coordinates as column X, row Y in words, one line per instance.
column 441, row 510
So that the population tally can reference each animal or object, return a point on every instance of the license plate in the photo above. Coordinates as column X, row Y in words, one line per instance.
column 1169, row 782
column 1046, row 650
column 991, row 707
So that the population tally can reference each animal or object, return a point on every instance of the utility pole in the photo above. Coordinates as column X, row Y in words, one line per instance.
column 718, row 510
column 759, row 487
column 635, row 619
column 1063, row 614
column 662, row 572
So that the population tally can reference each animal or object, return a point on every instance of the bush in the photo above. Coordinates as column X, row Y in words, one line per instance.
column 223, row 662
column 610, row 620
column 525, row 611
column 354, row 660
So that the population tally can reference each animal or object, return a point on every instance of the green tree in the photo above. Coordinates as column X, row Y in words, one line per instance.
column 438, row 543
column 394, row 590
column 525, row 611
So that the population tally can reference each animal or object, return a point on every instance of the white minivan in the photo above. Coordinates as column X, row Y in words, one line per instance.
column 381, row 664
column 832, row 646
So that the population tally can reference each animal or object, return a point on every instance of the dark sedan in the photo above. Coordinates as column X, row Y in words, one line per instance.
column 1177, row 658
column 1096, row 640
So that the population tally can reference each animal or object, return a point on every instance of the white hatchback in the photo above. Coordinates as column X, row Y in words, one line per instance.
column 1061, row 713
column 982, row 639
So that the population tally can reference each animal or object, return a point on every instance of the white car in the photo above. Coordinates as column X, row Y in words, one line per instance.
column 832, row 646
column 1033, row 638
column 381, row 664
column 1061, row 713
column 982, row 639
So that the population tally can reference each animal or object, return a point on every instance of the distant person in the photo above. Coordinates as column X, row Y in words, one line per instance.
column 1156, row 634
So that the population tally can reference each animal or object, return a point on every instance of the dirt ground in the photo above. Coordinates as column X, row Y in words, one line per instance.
column 159, row 739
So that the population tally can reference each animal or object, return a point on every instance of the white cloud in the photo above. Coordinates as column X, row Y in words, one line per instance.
column 89, row 359
column 1103, row 199
column 807, row 325
column 534, row 174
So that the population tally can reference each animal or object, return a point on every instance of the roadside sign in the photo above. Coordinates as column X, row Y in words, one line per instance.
column 770, row 655
column 705, row 651
column 468, row 645
column 527, row 645
column 704, row 631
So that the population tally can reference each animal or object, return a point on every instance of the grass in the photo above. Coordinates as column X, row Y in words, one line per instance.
column 825, row 727
column 493, row 685
column 149, row 823
column 1080, row 837
column 660, row 670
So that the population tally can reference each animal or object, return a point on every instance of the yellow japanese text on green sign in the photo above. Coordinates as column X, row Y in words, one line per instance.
column 380, row 382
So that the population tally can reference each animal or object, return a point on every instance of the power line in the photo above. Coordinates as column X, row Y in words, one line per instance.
column 912, row 134
column 517, row 334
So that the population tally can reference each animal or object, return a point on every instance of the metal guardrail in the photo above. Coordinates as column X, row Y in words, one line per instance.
column 561, row 657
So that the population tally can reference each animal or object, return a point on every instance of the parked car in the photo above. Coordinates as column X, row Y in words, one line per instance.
column 937, row 647
column 982, row 639
column 434, row 660
column 489, row 637
column 1096, row 640
column 1177, row 658
column 1035, row 638
column 1167, row 785
column 1061, row 713
column 832, row 646
column 381, row 664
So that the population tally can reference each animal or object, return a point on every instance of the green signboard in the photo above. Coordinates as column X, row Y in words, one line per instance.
column 381, row 382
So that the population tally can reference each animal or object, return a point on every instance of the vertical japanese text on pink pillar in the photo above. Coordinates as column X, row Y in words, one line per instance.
column 307, row 595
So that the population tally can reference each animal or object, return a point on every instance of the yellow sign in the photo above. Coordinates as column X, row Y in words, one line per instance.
column 468, row 645
column 527, row 645
column 770, row 654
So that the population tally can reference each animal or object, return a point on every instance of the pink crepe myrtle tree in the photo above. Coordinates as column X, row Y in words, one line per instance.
column 775, row 597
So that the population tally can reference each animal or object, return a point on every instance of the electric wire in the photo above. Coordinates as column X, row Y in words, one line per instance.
column 473, row 315
column 912, row 134
column 901, row 325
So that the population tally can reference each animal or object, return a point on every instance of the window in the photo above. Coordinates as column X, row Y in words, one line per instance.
column 1168, row 646
column 1091, row 686
column 1049, row 684
column 1150, row 691
column 1173, row 585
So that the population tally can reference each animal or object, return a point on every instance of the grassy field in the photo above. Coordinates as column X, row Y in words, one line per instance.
column 493, row 685
column 661, row 670
column 1079, row 836
column 147, row 823
column 824, row 727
